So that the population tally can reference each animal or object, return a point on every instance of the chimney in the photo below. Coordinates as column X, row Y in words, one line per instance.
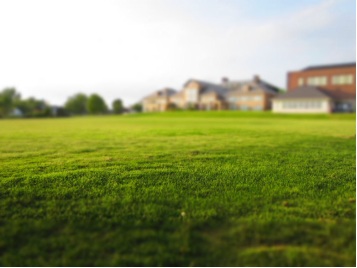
column 256, row 78
column 225, row 80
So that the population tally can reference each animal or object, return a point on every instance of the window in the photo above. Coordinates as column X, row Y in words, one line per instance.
column 317, row 81
column 246, row 88
column 233, row 106
column 257, row 98
column 315, row 104
column 258, row 108
column 300, row 81
column 244, row 108
column 302, row 105
column 342, row 79
column 192, row 95
column 209, row 99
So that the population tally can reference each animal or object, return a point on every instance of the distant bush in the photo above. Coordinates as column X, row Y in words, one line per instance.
column 8, row 98
column 137, row 107
column 96, row 105
column 117, row 106
column 77, row 104
column 191, row 107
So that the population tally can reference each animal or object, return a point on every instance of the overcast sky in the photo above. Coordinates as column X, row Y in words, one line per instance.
column 127, row 49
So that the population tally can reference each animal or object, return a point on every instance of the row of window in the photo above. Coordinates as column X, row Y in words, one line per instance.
column 302, row 104
column 322, row 80
column 317, row 81
column 245, row 108
column 246, row 98
column 192, row 97
column 155, row 102
column 342, row 79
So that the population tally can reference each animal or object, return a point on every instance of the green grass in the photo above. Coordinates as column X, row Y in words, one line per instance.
column 179, row 189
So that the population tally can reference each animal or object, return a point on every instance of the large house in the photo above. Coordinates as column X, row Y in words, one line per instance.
column 158, row 101
column 254, row 94
column 319, row 89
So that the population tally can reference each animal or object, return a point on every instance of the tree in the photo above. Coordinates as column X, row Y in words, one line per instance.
column 137, row 107
column 32, row 107
column 77, row 104
column 117, row 106
column 8, row 97
column 96, row 104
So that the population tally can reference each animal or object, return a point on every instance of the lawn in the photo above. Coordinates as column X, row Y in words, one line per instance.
column 179, row 189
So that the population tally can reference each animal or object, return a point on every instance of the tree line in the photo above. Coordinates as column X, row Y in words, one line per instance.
column 12, row 105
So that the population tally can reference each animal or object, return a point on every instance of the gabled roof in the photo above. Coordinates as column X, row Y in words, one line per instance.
column 166, row 92
column 208, row 87
column 330, row 66
column 234, row 87
column 177, row 94
column 256, row 85
column 305, row 92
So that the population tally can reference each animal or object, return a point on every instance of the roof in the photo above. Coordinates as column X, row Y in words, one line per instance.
column 256, row 85
column 232, row 87
column 304, row 92
column 330, row 66
column 177, row 94
column 166, row 92
column 208, row 87
column 340, row 95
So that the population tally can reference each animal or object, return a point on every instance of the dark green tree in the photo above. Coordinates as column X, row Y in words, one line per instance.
column 8, row 98
column 96, row 105
column 77, row 104
column 32, row 107
column 117, row 106
column 137, row 107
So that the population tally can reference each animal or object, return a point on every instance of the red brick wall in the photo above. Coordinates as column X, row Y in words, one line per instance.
column 329, row 73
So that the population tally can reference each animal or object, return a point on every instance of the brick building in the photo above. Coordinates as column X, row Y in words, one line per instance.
column 336, row 77
column 319, row 89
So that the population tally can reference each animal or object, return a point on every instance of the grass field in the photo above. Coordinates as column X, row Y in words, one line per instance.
column 179, row 189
